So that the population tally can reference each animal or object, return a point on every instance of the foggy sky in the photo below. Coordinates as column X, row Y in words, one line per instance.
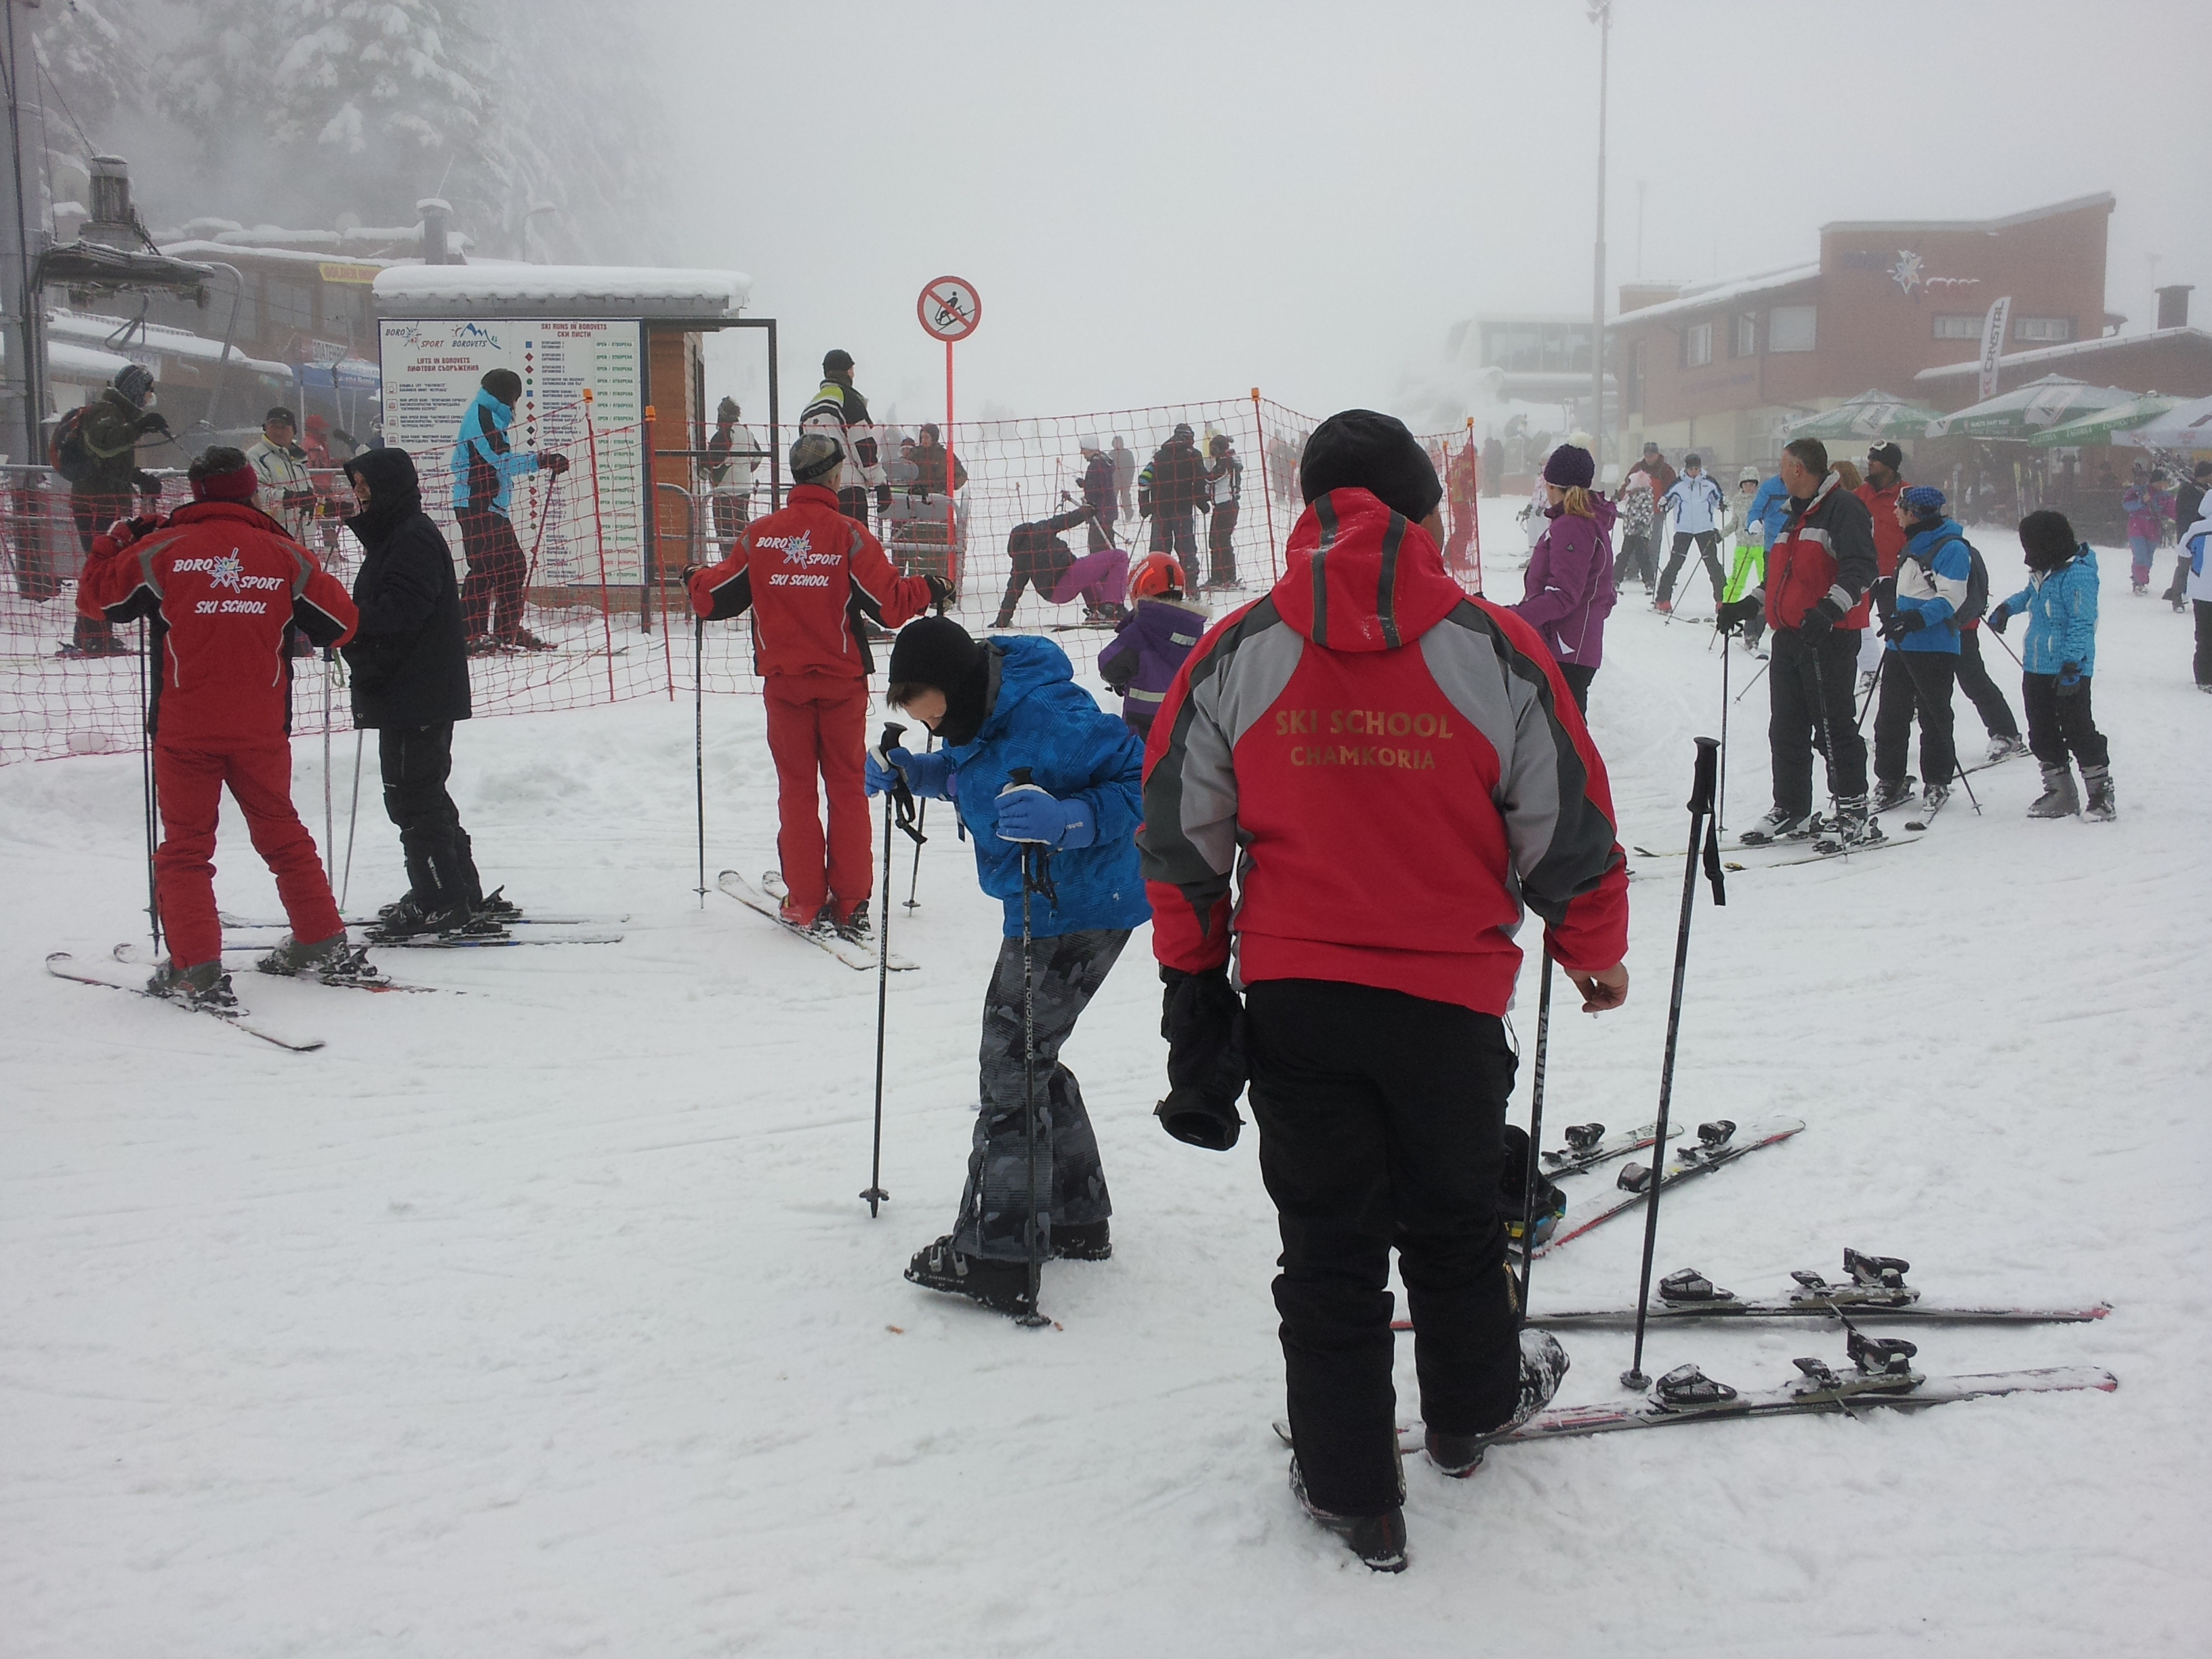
column 1163, row 202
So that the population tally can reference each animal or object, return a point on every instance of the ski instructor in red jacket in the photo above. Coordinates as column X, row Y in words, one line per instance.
column 1391, row 771
column 223, row 584
column 810, row 575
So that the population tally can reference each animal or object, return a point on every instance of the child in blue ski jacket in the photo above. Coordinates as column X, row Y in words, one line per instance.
column 1000, row 705
column 1934, row 572
column 2060, row 658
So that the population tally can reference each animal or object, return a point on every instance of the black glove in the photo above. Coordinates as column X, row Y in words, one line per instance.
column 941, row 592
column 2069, row 679
column 1902, row 623
column 553, row 461
column 1737, row 615
column 1819, row 618
column 156, row 422
column 1202, row 1018
column 1998, row 617
column 1885, row 596
column 883, row 498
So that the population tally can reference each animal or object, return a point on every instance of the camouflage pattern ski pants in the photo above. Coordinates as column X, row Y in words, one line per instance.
column 1066, row 973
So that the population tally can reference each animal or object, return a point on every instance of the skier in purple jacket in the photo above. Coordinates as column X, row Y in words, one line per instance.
column 1141, row 661
column 1570, row 587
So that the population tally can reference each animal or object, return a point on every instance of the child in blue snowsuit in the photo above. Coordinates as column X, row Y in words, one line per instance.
column 2060, row 657
column 1001, row 704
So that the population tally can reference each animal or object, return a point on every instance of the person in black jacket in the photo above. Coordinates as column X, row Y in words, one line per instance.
column 410, row 682
column 1171, row 487
column 2188, row 507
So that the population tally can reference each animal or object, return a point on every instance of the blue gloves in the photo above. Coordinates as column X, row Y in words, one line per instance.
column 2069, row 679
column 928, row 775
column 1032, row 815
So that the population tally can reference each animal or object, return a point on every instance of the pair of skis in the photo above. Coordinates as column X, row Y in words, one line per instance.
column 767, row 900
column 1717, row 1145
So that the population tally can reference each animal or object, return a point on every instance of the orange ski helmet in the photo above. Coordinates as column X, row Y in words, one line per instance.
column 1155, row 574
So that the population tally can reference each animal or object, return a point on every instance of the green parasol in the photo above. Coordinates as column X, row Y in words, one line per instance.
column 1869, row 415
column 2098, row 428
column 2027, row 410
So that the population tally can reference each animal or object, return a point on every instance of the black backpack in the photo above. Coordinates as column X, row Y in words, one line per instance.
column 1977, row 587
column 68, row 455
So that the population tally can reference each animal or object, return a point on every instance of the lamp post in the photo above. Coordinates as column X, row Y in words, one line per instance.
column 1600, row 13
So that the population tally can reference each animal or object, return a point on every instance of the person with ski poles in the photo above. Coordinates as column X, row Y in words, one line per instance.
column 999, row 708
column 1928, row 590
column 1389, row 770
column 2058, row 661
column 1815, row 596
column 223, row 585
column 1569, row 582
column 484, row 466
column 810, row 572
column 1699, row 507
column 1759, row 504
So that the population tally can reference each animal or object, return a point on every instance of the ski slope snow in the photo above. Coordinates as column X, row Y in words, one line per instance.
column 543, row 1317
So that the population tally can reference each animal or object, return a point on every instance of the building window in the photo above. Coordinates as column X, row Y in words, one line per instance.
column 2043, row 331
column 1747, row 334
column 1792, row 328
column 286, row 308
column 1697, row 345
column 1958, row 326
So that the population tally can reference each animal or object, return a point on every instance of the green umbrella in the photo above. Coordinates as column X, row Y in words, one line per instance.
column 2098, row 428
column 1869, row 415
column 2030, row 409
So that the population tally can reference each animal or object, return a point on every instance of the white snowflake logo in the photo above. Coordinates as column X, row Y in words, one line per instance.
column 228, row 571
column 1906, row 272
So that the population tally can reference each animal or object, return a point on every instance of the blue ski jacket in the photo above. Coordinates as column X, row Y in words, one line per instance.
column 1933, row 574
column 2060, row 607
column 1769, row 508
column 483, row 467
column 1040, row 719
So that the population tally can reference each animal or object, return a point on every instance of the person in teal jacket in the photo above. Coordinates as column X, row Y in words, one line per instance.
column 484, row 466
column 1000, row 705
column 1934, row 572
column 2059, row 658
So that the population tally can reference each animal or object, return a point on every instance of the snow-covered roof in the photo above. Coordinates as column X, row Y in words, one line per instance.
column 1720, row 293
column 494, row 288
column 209, row 253
column 168, row 341
column 2103, row 343
column 78, row 365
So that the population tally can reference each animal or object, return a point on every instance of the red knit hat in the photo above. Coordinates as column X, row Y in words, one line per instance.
column 223, row 475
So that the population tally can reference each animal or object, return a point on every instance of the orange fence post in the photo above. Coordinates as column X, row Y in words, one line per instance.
column 599, row 534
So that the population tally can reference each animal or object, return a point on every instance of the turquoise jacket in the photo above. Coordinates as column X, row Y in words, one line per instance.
column 2060, row 607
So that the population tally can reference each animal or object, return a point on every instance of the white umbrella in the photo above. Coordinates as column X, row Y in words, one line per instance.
column 2185, row 426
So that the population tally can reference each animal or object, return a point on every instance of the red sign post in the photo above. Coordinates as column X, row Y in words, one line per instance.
column 948, row 308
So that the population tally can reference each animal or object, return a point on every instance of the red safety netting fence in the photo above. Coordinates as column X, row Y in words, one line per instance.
column 600, row 615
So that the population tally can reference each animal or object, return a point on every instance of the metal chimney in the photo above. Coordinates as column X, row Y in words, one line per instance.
column 2173, row 305
column 111, row 204
column 437, row 216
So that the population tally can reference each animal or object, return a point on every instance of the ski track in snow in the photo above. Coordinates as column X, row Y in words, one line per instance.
column 544, row 1320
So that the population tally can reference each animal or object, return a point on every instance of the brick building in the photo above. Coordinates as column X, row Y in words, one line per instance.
column 1720, row 366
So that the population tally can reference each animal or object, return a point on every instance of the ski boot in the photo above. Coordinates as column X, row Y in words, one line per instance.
column 856, row 929
column 1776, row 825
column 2058, row 799
column 1854, row 827
column 1001, row 1286
column 2099, row 807
column 2005, row 747
column 202, row 984
column 1889, row 796
column 1082, row 1241
column 523, row 640
column 1664, row 607
column 1543, row 1363
column 310, row 958
column 408, row 920
column 1377, row 1540
column 1932, row 799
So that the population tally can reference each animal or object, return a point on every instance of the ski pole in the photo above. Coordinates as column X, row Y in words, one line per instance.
column 875, row 1194
column 1034, row 880
column 148, row 788
column 1701, row 829
column 353, row 816
column 1535, row 1135
column 921, row 821
column 1752, row 680
column 1720, row 800
column 330, row 814
column 1859, row 725
column 699, row 742
column 2009, row 651
column 1827, row 742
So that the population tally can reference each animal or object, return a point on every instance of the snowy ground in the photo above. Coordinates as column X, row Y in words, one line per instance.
column 543, row 1319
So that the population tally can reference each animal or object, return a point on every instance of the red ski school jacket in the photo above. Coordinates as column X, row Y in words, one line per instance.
column 1393, row 768
column 805, row 572
column 223, row 583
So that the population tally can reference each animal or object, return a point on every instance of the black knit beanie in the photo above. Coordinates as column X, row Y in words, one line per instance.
column 1359, row 449
column 938, row 652
column 505, row 385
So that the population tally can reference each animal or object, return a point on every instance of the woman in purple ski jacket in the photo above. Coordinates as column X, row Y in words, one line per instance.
column 1570, row 588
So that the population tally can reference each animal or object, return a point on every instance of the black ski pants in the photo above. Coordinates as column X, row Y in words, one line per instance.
column 1382, row 1120
column 416, row 761
column 1637, row 553
column 1174, row 531
column 2059, row 725
column 1578, row 677
column 1915, row 683
column 1065, row 972
column 492, row 596
column 1221, row 545
column 1981, row 690
column 1800, row 668
column 2204, row 664
column 1709, row 550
